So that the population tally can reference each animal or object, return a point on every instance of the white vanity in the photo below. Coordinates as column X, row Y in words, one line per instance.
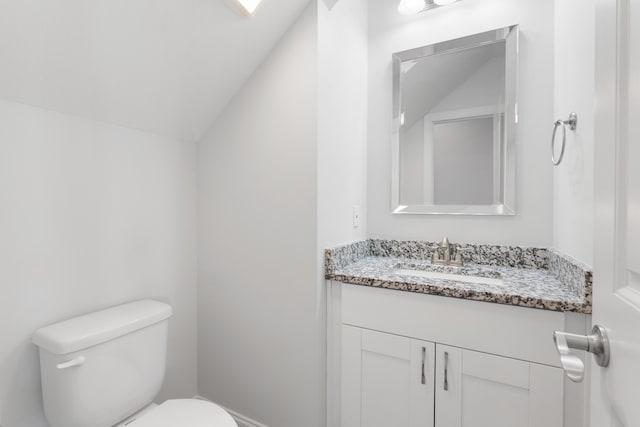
column 412, row 357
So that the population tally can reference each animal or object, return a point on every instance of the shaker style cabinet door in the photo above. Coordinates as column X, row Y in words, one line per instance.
column 387, row 380
column 478, row 390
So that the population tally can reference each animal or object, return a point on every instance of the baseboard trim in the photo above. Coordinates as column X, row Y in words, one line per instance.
column 243, row 421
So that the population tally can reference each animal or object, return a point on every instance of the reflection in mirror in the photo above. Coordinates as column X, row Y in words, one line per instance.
column 454, row 126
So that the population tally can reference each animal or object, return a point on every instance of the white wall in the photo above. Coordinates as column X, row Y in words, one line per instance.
column 342, row 121
column 342, row 141
column 573, row 185
column 261, row 331
column 390, row 32
column 91, row 215
column 279, row 174
column 575, row 92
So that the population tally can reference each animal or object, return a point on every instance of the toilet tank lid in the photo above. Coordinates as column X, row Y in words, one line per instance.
column 101, row 326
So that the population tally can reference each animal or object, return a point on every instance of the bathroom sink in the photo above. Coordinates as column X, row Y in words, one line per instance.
column 457, row 274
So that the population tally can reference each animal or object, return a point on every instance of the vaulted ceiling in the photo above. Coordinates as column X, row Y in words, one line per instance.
column 429, row 80
column 164, row 66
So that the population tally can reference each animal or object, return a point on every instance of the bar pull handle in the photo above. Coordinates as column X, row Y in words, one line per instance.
column 423, row 378
column 71, row 363
column 446, row 371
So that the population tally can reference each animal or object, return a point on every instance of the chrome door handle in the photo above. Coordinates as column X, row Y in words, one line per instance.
column 572, row 364
column 597, row 343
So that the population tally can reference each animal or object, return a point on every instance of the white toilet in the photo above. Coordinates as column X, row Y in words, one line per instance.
column 104, row 369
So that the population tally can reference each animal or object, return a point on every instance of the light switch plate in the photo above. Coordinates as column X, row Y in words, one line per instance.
column 356, row 216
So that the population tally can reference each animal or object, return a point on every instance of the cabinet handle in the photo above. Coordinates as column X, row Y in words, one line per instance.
column 423, row 379
column 446, row 371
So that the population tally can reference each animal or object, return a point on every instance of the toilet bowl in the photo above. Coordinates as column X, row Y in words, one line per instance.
column 182, row 413
column 108, row 366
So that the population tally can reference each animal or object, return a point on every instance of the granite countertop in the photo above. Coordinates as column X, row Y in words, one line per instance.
column 527, row 277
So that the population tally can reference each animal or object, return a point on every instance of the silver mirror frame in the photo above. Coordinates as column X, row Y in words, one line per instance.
column 511, row 36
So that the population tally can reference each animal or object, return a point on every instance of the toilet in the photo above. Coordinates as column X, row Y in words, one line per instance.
column 105, row 368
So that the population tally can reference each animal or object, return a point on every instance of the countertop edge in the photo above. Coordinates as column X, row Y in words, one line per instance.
column 505, row 299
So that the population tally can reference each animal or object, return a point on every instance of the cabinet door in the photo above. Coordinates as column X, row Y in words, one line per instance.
column 479, row 390
column 387, row 380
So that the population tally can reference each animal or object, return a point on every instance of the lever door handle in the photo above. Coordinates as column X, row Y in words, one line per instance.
column 573, row 366
column 597, row 343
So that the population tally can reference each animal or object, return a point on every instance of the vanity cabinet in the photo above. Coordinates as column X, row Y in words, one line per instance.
column 388, row 380
column 391, row 380
column 476, row 389
column 391, row 353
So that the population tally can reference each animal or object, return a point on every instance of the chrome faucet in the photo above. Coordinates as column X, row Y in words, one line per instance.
column 442, row 253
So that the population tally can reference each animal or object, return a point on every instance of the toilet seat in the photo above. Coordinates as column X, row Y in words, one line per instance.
column 185, row 413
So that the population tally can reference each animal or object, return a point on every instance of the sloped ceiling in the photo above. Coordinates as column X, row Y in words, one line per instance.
column 429, row 80
column 164, row 66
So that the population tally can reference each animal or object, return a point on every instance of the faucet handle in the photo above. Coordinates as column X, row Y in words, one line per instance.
column 435, row 256
column 460, row 250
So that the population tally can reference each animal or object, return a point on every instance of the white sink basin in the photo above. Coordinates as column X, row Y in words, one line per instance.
column 448, row 276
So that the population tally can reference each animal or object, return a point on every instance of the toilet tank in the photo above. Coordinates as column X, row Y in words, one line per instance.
column 99, row 368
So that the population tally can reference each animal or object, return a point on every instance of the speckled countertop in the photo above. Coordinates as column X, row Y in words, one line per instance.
column 528, row 277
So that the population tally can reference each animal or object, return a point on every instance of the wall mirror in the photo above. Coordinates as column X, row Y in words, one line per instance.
column 454, row 119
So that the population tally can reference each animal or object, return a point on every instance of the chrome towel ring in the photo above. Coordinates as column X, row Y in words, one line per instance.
column 572, row 123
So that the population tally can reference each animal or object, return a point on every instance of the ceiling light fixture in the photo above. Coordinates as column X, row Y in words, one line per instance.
column 411, row 7
column 247, row 6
